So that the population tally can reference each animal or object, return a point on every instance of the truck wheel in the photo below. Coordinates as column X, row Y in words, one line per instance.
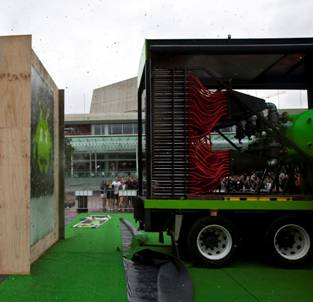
column 211, row 241
column 288, row 242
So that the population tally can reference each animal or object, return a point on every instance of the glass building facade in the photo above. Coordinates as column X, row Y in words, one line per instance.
column 103, row 149
column 102, row 156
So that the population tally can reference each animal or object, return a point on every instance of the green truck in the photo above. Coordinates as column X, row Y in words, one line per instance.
column 253, row 185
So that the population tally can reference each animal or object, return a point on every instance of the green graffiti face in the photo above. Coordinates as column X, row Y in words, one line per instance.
column 42, row 145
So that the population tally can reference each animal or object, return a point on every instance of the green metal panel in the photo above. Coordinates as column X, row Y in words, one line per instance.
column 188, row 204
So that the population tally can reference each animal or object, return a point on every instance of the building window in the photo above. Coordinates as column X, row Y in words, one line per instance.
column 103, row 164
column 97, row 129
column 77, row 129
column 127, row 156
column 100, row 156
column 116, row 129
column 126, row 166
column 81, row 169
column 128, row 129
column 135, row 128
column 81, row 156
column 112, row 156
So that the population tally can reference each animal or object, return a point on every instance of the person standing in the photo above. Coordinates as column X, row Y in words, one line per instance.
column 116, row 184
column 110, row 196
column 103, row 195
column 122, row 199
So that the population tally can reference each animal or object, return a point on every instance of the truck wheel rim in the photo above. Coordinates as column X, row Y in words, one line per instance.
column 292, row 242
column 214, row 242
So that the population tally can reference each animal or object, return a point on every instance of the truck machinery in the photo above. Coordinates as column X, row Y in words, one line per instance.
column 187, row 96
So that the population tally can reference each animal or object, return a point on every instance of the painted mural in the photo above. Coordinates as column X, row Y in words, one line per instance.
column 42, row 159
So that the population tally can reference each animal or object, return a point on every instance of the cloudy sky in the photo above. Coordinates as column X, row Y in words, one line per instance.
column 88, row 44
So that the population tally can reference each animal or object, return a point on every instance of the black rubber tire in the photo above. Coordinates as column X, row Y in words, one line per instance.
column 200, row 226
column 276, row 228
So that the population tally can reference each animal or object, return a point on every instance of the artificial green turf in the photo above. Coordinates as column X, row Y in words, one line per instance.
column 247, row 279
column 252, row 281
column 87, row 266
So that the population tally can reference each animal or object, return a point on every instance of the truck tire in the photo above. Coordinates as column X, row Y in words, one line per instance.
column 211, row 242
column 288, row 242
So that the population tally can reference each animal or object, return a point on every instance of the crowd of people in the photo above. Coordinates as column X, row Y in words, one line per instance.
column 118, row 195
column 251, row 183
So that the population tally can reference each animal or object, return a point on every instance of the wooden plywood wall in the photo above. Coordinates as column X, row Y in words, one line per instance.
column 15, row 94
column 16, row 249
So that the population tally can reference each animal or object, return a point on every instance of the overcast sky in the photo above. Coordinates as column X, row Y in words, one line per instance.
column 89, row 44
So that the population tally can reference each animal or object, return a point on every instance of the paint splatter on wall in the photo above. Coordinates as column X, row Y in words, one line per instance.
column 42, row 159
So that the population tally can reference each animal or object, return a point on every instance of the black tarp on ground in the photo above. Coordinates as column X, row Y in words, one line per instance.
column 153, row 276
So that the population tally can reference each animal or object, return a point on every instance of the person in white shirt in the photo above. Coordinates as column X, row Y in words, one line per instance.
column 116, row 184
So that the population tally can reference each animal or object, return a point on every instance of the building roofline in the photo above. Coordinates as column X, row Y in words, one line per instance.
column 87, row 118
column 115, row 83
